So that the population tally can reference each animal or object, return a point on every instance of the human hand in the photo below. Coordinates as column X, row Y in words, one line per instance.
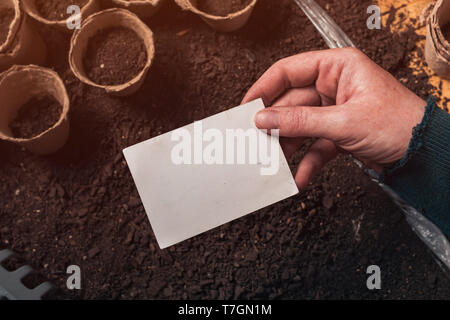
column 342, row 98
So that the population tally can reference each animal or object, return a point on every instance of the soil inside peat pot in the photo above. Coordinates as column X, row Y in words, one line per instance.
column 56, row 10
column 446, row 31
column 6, row 17
column 36, row 116
column 222, row 7
column 114, row 56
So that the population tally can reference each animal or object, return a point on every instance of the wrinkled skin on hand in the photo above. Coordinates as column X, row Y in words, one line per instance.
column 344, row 99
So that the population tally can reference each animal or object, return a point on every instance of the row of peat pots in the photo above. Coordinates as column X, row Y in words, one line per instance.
column 34, row 104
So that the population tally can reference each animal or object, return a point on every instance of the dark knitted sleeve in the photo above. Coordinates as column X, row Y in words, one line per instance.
column 422, row 177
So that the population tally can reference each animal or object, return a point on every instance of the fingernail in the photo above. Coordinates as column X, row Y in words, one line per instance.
column 267, row 119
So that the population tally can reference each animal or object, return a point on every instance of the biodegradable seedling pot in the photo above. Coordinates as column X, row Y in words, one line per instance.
column 104, row 20
column 30, row 8
column 26, row 45
column 229, row 23
column 18, row 85
column 142, row 8
column 15, row 23
column 437, row 48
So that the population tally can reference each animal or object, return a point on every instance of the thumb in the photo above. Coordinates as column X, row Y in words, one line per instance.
column 321, row 122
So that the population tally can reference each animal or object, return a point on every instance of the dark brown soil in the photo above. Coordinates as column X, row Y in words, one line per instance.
column 115, row 56
column 446, row 31
column 6, row 17
column 13, row 263
column 80, row 206
column 36, row 116
column 222, row 7
column 56, row 10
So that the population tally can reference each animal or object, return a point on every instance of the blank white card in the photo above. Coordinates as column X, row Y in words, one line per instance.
column 208, row 173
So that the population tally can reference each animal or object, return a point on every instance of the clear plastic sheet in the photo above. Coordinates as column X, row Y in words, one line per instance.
column 431, row 235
